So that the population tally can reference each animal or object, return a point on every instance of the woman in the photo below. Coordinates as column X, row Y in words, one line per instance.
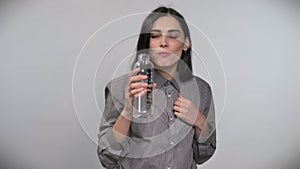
column 181, row 132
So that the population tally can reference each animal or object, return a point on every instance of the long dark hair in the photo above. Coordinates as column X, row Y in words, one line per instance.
column 185, row 64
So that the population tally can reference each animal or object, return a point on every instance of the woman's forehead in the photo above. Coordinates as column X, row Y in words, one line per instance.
column 166, row 23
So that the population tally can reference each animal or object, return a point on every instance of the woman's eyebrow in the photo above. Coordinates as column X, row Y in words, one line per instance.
column 174, row 30
column 156, row 30
column 169, row 31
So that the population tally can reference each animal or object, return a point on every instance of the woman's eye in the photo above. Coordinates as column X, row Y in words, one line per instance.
column 173, row 36
column 155, row 35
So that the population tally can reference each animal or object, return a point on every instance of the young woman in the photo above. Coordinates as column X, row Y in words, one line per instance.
column 181, row 132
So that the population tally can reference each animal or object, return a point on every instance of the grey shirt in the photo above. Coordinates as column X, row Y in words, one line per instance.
column 162, row 141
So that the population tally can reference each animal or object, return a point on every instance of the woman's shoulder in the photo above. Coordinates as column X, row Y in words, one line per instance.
column 117, row 82
column 204, row 89
column 116, row 87
column 201, row 83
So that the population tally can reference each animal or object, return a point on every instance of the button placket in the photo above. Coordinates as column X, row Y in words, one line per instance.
column 169, row 107
column 170, row 92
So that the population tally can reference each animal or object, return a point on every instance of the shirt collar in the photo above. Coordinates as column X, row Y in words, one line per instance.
column 161, row 81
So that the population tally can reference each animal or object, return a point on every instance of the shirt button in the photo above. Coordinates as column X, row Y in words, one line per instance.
column 172, row 142
column 168, row 167
column 169, row 95
column 171, row 118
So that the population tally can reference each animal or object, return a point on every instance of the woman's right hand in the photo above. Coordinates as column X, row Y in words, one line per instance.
column 133, row 87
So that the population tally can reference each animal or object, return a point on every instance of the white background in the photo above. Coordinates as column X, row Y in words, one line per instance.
column 257, row 42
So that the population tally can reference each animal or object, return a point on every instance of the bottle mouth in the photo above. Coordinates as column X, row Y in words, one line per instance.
column 144, row 55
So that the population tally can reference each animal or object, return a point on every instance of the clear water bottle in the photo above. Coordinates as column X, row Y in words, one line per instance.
column 142, row 103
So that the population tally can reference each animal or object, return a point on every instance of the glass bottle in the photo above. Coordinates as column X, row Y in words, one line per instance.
column 142, row 103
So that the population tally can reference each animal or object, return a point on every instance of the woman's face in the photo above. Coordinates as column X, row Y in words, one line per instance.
column 167, row 42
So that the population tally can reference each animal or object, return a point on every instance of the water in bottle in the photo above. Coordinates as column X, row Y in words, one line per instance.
column 143, row 101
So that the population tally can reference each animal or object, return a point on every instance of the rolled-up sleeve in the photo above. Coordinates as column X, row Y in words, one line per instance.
column 110, row 152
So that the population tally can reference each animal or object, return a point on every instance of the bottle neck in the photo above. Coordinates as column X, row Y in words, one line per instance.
column 144, row 58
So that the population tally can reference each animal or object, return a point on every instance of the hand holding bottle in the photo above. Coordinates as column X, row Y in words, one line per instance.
column 133, row 88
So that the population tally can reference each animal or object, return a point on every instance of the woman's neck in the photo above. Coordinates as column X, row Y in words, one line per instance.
column 167, row 73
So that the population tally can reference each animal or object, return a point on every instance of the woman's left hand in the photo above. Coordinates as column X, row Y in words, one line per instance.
column 187, row 111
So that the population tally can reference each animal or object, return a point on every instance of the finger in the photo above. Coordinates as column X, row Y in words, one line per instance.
column 144, row 92
column 178, row 103
column 138, row 85
column 180, row 95
column 177, row 108
column 141, row 92
column 177, row 114
column 180, row 109
column 135, row 91
column 182, row 99
column 137, row 78
column 134, row 72
column 151, row 86
column 186, row 103
column 147, row 87
column 154, row 85
column 179, row 99
column 182, row 104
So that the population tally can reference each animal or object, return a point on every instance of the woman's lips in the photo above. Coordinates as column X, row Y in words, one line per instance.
column 163, row 53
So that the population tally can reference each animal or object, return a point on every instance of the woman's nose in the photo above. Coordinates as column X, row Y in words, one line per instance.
column 163, row 41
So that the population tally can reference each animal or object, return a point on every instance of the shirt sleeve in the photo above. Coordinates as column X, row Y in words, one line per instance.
column 204, row 144
column 110, row 152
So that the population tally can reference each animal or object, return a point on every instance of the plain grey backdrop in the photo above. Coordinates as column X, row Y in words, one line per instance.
column 49, row 119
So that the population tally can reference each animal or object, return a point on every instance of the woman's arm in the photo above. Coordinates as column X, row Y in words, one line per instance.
column 113, row 141
column 122, row 125
column 203, row 120
column 134, row 87
column 204, row 143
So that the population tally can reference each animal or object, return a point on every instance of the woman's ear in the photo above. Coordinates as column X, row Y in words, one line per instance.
column 186, row 44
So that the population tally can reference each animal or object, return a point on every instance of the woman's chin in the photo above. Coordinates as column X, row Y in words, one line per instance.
column 162, row 65
column 165, row 65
